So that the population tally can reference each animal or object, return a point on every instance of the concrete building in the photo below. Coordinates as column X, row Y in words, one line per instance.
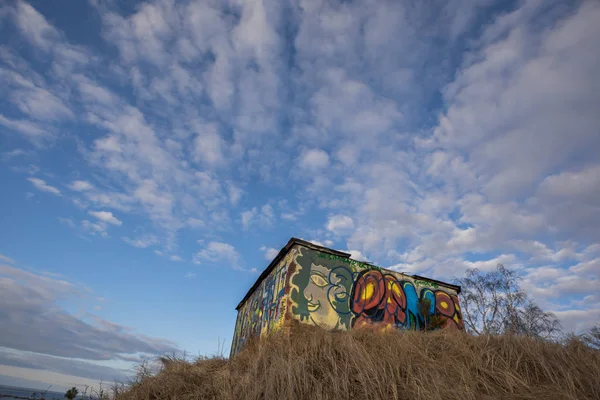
column 325, row 287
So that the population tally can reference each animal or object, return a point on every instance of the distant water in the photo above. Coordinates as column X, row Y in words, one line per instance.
column 12, row 393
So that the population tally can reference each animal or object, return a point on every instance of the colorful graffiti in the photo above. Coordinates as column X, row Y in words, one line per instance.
column 334, row 292
column 332, row 295
column 426, row 283
column 349, row 261
column 264, row 310
column 383, row 299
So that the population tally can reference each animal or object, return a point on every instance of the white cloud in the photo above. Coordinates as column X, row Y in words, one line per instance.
column 340, row 224
column 406, row 268
column 314, row 159
column 190, row 275
column 572, row 183
column 41, row 105
column 289, row 216
column 195, row 222
column 175, row 257
column 32, row 95
column 264, row 217
column 94, row 228
column 489, row 265
column 154, row 176
column 247, row 217
column 219, row 252
column 267, row 215
column 106, row 216
column 28, row 128
column 8, row 155
column 80, row 186
column 269, row 252
column 356, row 255
column 500, row 110
column 6, row 259
column 86, row 228
column 325, row 243
column 142, row 34
column 43, row 186
column 234, row 192
column 57, row 381
column 115, row 200
column 34, row 26
column 57, row 342
column 93, row 92
column 209, row 146
column 578, row 321
column 67, row 221
column 150, row 195
column 142, row 242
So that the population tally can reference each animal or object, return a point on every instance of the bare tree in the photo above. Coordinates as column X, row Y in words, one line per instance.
column 100, row 393
column 592, row 337
column 532, row 321
column 488, row 299
column 494, row 303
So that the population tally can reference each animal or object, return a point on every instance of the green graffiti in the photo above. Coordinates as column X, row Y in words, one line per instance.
column 351, row 262
column 340, row 280
column 336, row 282
column 426, row 283
column 300, row 281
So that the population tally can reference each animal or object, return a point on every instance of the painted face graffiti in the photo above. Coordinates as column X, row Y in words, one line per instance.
column 327, row 293
column 331, row 292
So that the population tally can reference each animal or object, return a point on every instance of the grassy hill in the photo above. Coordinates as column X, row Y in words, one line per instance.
column 315, row 364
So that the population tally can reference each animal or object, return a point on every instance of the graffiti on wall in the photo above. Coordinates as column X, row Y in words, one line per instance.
column 382, row 298
column 338, row 293
column 264, row 310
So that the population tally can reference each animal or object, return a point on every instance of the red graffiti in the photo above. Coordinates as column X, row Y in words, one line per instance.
column 378, row 299
column 447, row 305
column 381, row 300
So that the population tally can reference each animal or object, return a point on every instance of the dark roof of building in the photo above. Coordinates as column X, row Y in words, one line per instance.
column 293, row 241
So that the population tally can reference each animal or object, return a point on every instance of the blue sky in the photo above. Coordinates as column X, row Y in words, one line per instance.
column 155, row 156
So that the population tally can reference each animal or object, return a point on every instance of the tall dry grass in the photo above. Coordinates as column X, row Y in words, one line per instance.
column 315, row 364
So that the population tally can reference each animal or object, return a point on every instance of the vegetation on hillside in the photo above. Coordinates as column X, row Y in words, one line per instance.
column 512, row 350
column 311, row 363
column 71, row 393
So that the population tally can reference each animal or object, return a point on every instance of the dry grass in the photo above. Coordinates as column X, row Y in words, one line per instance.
column 315, row 364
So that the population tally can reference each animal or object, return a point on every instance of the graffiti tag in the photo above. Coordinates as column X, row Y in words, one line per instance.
column 349, row 261
column 426, row 283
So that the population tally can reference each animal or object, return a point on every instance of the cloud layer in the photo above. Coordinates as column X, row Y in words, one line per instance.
column 38, row 332
column 430, row 137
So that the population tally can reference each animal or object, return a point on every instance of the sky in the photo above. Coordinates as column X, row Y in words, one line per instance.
column 155, row 156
